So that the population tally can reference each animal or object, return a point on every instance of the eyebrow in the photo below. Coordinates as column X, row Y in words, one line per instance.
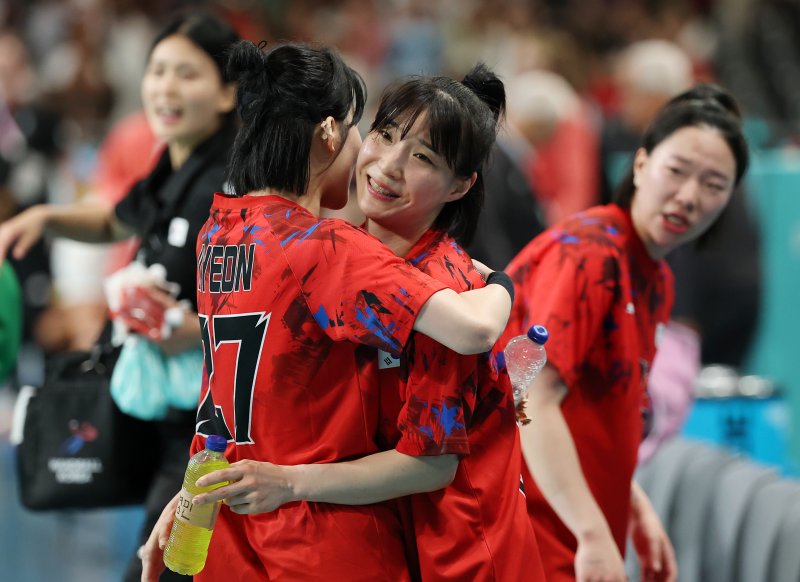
column 394, row 125
column 716, row 173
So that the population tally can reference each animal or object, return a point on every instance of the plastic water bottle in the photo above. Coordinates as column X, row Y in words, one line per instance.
column 525, row 357
column 187, row 547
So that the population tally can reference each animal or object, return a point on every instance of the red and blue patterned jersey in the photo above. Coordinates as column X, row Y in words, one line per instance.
column 590, row 281
column 435, row 401
column 284, row 298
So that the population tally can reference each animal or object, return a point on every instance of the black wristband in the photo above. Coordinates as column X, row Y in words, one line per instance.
column 500, row 278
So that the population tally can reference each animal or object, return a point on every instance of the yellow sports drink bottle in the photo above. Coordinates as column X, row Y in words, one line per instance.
column 187, row 547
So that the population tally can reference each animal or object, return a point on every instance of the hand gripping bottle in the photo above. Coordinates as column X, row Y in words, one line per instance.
column 524, row 358
column 187, row 547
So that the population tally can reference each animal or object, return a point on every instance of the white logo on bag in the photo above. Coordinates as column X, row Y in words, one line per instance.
column 66, row 470
column 178, row 231
column 387, row 360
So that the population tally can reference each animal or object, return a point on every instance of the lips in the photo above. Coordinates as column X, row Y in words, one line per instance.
column 675, row 223
column 380, row 191
column 168, row 115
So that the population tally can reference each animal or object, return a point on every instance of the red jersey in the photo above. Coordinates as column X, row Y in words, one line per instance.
column 282, row 296
column 435, row 401
column 590, row 281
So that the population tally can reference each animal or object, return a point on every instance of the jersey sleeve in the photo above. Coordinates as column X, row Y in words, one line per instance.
column 571, row 292
column 439, row 395
column 356, row 288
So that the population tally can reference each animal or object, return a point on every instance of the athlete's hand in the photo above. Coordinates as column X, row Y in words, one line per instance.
column 656, row 555
column 152, row 553
column 598, row 560
column 20, row 233
column 253, row 487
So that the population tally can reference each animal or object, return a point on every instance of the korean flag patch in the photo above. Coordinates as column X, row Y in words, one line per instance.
column 387, row 360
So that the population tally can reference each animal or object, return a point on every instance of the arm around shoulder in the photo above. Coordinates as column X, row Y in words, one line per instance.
column 467, row 323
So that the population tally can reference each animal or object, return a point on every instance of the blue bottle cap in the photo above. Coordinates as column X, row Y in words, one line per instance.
column 538, row 334
column 216, row 443
column 500, row 358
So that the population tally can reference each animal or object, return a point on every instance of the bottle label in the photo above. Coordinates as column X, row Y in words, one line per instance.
column 198, row 515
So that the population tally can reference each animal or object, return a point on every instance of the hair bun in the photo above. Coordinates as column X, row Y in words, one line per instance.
column 245, row 59
column 488, row 87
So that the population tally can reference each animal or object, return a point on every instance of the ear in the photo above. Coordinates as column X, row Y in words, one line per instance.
column 639, row 161
column 227, row 100
column 329, row 133
column 461, row 186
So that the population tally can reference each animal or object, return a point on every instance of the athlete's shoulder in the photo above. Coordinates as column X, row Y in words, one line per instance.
column 440, row 256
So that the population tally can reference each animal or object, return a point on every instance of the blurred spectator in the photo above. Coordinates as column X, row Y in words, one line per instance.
column 29, row 149
column 127, row 154
column 649, row 73
column 510, row 216
column 557, row 125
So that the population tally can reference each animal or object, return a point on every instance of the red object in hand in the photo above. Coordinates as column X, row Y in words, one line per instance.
column 141, row 313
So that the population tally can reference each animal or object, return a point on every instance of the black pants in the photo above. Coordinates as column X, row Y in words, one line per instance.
column 175, row 433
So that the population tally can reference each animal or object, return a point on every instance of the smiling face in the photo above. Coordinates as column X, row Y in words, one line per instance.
column 682, row 187
column 183, row 94
column 402, row 182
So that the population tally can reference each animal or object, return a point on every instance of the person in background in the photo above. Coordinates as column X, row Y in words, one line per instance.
column 281, row 330
column 30, row 150
column 598, row 281
column 546, row 113
column 189, row 102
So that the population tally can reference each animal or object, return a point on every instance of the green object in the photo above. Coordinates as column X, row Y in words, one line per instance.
column 10, row 320
column 775, row 197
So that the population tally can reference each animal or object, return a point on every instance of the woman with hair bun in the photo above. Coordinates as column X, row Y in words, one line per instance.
column 288, row 302
column 600, row 284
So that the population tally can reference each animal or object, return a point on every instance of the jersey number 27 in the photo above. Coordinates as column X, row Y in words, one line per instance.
column 247, row 331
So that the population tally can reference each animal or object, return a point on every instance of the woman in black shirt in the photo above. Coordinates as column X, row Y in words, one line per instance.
column 189, row 102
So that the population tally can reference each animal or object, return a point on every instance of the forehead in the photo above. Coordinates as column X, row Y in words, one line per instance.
column 177, row 47
column 701, row 145
column 419, row 129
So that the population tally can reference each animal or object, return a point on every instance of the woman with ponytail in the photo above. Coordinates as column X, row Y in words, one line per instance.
column 600, row 284
column 289, row 304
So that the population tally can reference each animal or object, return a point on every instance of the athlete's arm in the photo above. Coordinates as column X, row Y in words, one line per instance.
column 258, row 487
column 467, row 323
column 82, row 222
column 152, row 552
column 655, row 551
column 552, row 458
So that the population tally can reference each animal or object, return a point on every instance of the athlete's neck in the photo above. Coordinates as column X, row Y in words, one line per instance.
column 400, row 243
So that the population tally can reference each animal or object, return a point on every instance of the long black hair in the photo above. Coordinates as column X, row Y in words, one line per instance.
column 282, row 93
column 462, row 118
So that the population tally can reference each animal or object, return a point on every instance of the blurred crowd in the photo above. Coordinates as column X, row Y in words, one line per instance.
column 584, row 78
